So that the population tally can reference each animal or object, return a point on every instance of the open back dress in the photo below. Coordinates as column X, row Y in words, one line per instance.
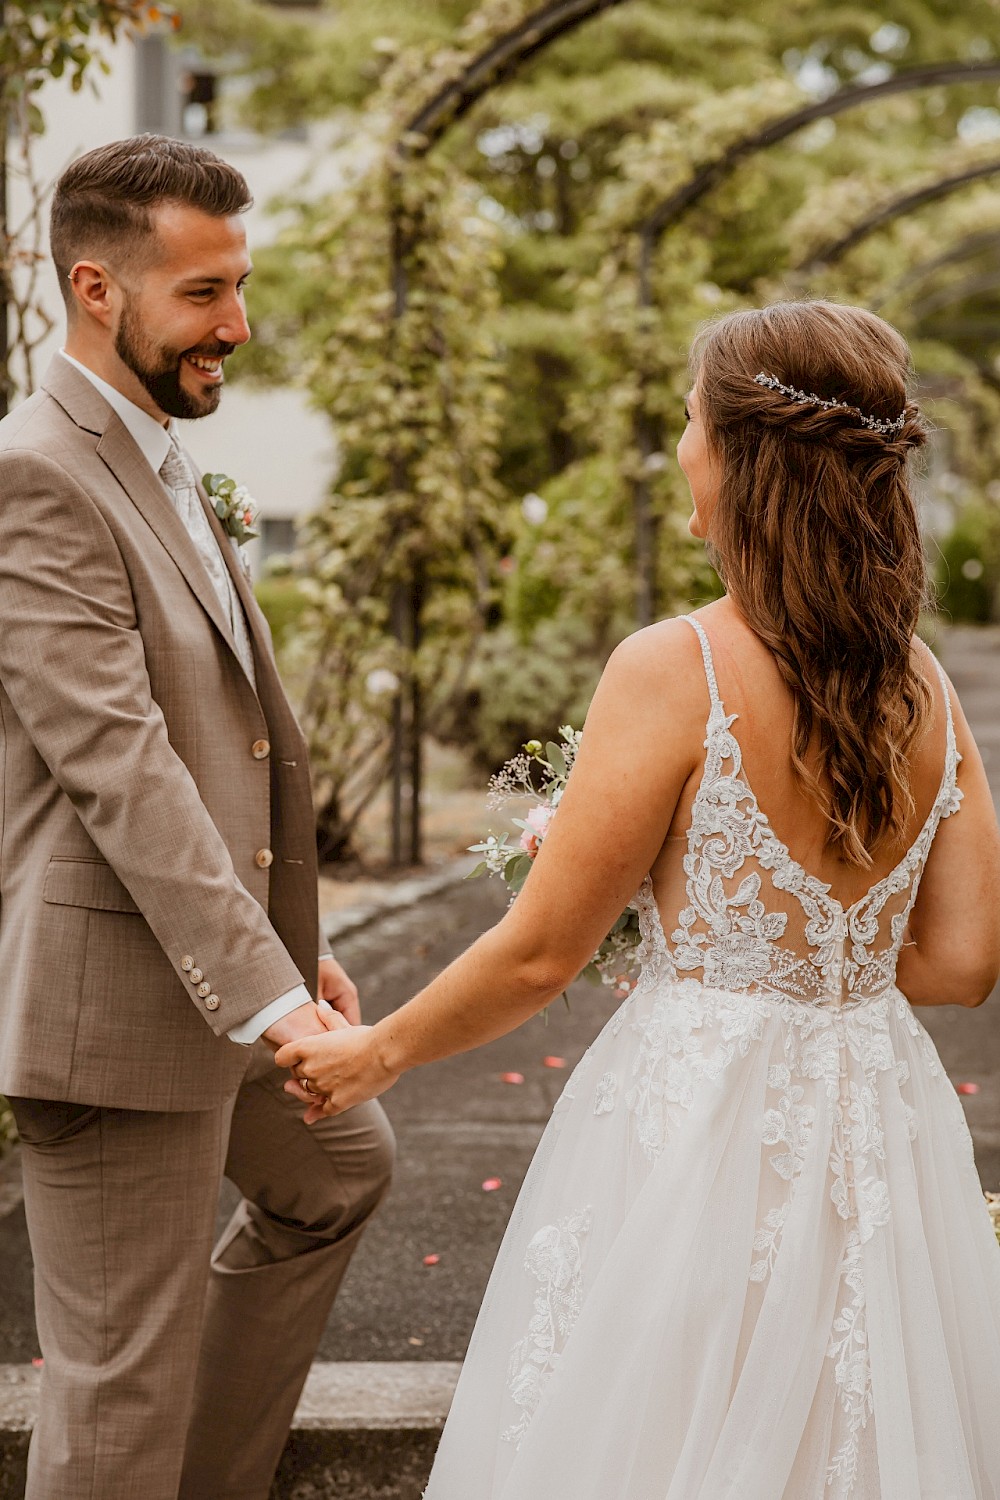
column 751, row 1258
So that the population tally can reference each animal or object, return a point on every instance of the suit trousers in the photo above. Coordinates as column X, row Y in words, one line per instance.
column 173, row 1372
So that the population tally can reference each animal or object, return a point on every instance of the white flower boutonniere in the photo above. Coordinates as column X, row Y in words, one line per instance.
column 234, row 507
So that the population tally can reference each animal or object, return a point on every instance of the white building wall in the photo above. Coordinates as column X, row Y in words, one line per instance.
column 271, row 441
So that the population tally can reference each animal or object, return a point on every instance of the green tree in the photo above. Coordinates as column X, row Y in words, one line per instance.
column 40, row 41
column 581, row 381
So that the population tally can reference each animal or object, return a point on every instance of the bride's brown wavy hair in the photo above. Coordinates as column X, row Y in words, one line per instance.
column 816, row 537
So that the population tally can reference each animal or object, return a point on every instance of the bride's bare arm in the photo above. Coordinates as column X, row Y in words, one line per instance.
column 952, row 951
column 643, row 739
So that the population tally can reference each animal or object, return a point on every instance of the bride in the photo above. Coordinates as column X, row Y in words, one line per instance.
column 751, row 1259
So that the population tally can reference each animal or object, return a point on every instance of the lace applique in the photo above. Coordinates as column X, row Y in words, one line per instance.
column 604, row 1098
column 555, row 1258
column 788, row 1124
column 767, row 1239
column 848, row 1348
column 732, row 937
column 671, row 1059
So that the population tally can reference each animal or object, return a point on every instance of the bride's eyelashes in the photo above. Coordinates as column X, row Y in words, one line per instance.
column 687, row 412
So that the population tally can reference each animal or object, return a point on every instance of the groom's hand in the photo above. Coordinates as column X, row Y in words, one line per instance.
column 338, row 990
column 303, row 1021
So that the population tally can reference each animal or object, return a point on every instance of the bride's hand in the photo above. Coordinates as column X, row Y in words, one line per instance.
column 341, row 1069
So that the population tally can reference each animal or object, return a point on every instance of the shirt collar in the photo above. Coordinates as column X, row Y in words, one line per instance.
column 151, row 438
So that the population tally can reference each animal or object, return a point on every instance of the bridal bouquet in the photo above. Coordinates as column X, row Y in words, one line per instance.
column 539, row 777
column 993, row 1204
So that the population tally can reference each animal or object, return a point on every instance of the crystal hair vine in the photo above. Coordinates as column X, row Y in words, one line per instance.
column 874, row 424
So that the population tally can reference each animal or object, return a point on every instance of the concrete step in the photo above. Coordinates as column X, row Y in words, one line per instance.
column 361, row 1432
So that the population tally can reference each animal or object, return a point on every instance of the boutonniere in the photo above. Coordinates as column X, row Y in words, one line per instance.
column 233, row 506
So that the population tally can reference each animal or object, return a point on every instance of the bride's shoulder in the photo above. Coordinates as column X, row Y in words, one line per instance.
column 660, row 665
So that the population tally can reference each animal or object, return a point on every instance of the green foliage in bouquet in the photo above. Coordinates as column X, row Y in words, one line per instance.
column 538, row 775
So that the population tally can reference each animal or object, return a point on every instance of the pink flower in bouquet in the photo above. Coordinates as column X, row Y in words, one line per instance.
column 538, row 821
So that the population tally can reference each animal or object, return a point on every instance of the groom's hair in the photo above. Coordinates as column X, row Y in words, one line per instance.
column 103, row 204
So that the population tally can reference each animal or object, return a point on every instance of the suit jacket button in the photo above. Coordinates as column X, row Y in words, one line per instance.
column 196, row 976
column 212, row 1003
column 204, row 989
column 264, row 858
column 260, row 749
column 187, row 963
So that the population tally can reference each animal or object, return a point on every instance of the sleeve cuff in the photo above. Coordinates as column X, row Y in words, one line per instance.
column 251, row 1031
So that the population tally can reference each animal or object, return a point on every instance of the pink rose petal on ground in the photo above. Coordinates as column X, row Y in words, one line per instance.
column 37, row 1364
column 967, row 1088
column 431, row 1260
column 511, row 1077
column 491, row 1184
column 553, row 1062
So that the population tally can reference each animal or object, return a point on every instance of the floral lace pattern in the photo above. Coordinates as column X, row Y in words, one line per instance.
column 848, row 1348
column 555, row 1258
column 704, row 998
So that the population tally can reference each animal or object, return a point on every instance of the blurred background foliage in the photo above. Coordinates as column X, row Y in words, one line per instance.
column 496, row 438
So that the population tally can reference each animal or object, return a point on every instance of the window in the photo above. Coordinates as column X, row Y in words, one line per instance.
column 277, row 538
column 199, row 103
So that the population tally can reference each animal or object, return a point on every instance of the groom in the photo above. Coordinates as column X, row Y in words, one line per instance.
column 158, row 916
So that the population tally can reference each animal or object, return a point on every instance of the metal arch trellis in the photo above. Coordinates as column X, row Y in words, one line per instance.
column 534, row 32
column 421, row 133
column 711, row 173
column 964, row 249
column 896, row 208
column 652, row 227
column 424, row 129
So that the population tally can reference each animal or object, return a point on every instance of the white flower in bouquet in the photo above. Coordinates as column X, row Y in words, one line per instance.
column 540, row 775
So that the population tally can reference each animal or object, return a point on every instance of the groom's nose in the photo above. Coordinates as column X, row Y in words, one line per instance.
column 233, row 327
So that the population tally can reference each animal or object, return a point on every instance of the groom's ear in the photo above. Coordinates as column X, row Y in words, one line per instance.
column 96, row 293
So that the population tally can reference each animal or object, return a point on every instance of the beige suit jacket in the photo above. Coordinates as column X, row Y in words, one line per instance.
column 157, row 844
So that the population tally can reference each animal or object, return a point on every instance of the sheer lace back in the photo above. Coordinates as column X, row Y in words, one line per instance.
column 753, row 919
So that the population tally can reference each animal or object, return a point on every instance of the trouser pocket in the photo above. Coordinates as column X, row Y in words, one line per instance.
column 47, row 1122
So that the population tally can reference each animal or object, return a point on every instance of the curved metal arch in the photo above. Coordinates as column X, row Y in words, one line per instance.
column 947, row 296
column 493, row 65
column 775, row 131
column 896, row 209
column 973, row 244
column 422, row 132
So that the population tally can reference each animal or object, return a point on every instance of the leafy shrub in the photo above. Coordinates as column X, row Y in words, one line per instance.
column 968, row 570
column 283, row 601
column 524, row 689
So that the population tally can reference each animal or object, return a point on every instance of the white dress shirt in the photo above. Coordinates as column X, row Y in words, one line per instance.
column 153, row 441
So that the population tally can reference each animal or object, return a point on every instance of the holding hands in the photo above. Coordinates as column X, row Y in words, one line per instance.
column 337, row 1070
column 327, row 1049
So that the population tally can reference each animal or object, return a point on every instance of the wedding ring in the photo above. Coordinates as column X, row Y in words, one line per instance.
column 310, row 1088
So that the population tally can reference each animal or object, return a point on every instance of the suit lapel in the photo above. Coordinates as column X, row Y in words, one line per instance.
column 149, row 495
column 89, row 410
column 259, row 637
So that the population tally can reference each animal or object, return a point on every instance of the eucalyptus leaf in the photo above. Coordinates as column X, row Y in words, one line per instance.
column 555, row 758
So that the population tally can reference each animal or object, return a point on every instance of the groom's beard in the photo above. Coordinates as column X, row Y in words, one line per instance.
column 159, row 369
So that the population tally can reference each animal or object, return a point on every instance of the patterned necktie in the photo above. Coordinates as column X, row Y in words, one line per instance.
column 175, row 471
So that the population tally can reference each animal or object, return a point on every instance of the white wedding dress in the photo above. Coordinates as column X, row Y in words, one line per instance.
column 751, row 1258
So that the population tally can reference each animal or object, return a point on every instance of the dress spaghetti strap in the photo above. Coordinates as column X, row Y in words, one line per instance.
column 706, row 656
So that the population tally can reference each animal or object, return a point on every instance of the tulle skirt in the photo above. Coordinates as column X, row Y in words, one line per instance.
column 750, row 1261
